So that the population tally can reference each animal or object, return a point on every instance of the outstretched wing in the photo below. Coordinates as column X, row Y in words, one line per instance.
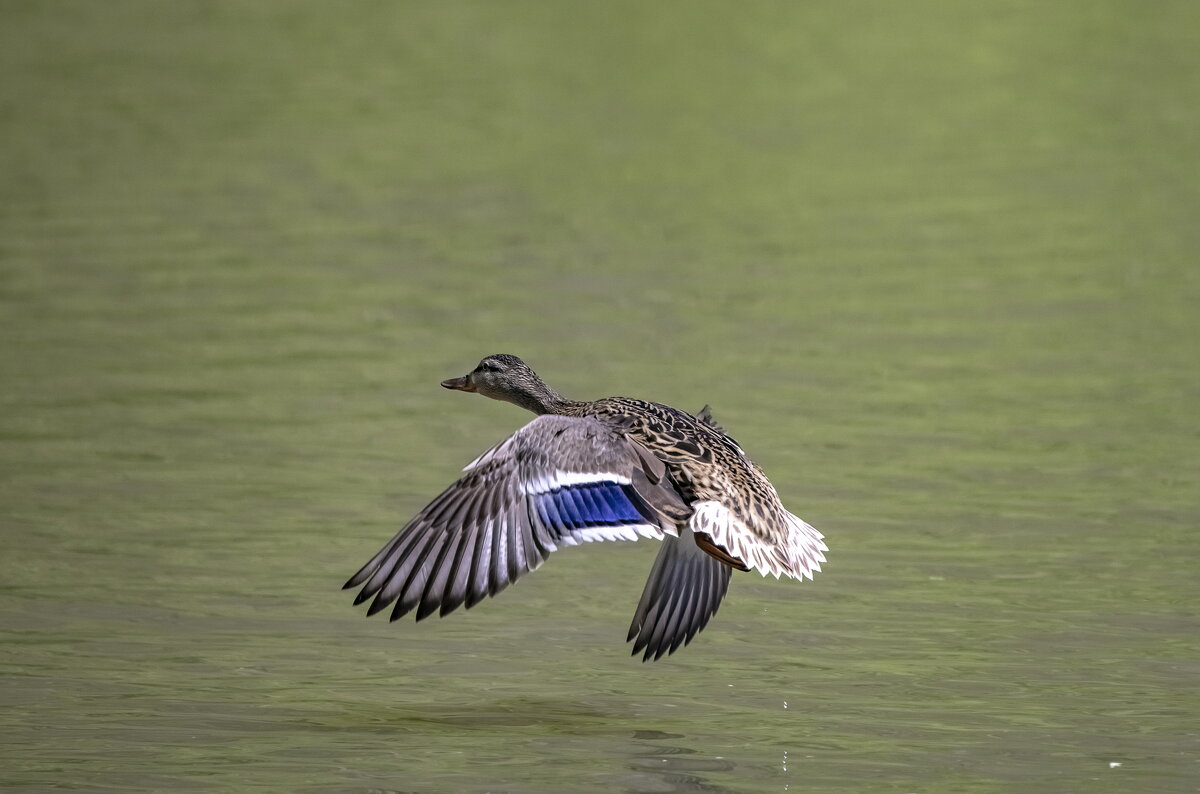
column 557, row 481
column 685, row 588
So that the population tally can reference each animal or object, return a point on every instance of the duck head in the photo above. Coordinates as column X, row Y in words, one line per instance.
column 505, row 377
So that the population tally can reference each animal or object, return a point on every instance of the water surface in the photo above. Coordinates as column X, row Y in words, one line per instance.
column 932, row 265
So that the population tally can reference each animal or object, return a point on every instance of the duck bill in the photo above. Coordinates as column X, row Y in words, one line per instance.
column 459, row 384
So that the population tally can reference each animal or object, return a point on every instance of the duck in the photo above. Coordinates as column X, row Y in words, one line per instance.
column 611, row 469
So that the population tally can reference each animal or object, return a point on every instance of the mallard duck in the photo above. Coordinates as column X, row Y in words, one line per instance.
column 609, row 469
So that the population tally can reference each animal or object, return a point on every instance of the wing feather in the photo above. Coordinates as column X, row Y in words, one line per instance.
column 414, row 583
column 683, row 592
column 481, row 564
column 456, row 587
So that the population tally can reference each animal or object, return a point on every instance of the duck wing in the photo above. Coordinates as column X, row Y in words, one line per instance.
column 558, row 481
column 683, row 592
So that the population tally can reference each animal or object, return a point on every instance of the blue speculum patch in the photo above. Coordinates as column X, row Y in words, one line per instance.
column 588, row 505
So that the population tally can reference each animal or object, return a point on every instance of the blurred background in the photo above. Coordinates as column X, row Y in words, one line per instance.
column 933, row 264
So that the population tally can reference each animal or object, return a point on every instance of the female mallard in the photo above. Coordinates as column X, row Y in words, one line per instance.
column 609, row 469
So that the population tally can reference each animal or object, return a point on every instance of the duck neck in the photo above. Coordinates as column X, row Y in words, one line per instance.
column 542, row 400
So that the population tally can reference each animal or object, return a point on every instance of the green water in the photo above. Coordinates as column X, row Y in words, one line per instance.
column 933, row 264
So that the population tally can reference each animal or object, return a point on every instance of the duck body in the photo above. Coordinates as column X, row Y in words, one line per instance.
column 615, row 468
